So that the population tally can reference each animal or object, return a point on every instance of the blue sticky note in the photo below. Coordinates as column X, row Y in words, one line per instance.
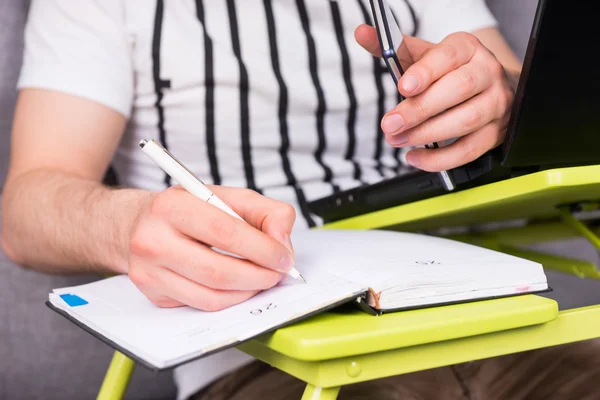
column 73, row 300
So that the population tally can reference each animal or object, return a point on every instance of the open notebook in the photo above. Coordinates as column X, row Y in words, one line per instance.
column 381, row 271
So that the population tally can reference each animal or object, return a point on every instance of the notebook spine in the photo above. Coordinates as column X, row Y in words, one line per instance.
column 362, row 304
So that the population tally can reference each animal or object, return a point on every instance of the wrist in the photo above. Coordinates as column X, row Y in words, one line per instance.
column 130, row 203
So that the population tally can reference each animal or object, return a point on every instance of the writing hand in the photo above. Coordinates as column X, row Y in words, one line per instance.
column 171, row 261
column 454, row 89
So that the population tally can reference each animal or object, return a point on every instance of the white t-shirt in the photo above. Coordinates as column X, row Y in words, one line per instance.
column 275, row 95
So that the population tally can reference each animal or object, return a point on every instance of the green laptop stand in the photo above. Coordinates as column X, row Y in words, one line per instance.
column 342, row 347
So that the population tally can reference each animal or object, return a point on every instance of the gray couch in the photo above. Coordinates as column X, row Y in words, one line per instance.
column 44, row 356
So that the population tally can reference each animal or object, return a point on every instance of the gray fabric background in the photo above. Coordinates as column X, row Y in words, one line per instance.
column 43, row 356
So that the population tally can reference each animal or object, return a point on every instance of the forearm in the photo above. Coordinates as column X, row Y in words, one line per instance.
column 56, row 223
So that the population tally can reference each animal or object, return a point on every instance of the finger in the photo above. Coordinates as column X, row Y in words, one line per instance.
column 366, row 36
column 454, row 51
column 197, row 296
column 417, row 46
column 458, row 121
column 142, row 275
column 163, row 301
column 206, row 223
column 454, row 88
column 275, row 218
column 464, row 150
column 209, row 268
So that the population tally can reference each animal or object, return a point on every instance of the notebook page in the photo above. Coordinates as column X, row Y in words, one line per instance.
column 163, row 337
column 383, row 260
column 336, row 264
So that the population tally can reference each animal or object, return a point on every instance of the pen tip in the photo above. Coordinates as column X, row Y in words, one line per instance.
column 301, row 278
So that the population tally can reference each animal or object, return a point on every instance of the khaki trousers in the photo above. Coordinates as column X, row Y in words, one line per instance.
column 566, row 372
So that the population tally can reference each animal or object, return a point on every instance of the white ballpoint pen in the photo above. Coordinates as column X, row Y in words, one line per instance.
column 176, row 170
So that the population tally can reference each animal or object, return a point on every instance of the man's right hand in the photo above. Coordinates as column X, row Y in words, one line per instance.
column 59, row 218
column 171, row 260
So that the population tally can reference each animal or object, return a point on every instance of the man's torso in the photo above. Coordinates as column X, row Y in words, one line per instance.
column 262, row 94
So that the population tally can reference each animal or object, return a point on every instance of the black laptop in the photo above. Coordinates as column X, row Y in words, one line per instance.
column 555, row 121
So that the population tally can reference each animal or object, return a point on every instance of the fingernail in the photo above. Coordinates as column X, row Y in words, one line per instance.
column 410, row 83
column 398, row 140
column 286, row 262
column 392, row 123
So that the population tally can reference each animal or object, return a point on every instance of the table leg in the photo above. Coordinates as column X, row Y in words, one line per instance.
column 317, row 393
column 117, row 378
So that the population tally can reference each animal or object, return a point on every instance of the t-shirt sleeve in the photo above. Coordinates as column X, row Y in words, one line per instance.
column 80, row 48
column 439, row 18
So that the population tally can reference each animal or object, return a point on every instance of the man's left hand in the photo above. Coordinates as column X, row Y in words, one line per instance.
column 454, row 89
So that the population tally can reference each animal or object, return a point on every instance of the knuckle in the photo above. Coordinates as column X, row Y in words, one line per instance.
column 450, row 52
column 288, row 212
column 143, row 243
column 475, row 118
column 462, row 38
column 496, row 68
column 504, row 98
column 507, row 97
column 162, row 204
column 465, row 37
column 423, row 134
column 497, row 138
column 418, row 108
column 471, row 39
column 467, row 81
column 468, row 151
column 214, row 276
column 248, row 194
column 224, row 233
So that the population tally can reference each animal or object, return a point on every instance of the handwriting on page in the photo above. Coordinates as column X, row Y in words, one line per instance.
column 427, row 262
column 267, row 307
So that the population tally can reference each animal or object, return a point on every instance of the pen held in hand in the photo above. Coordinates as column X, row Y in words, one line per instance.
column 176, row 170
column 447, row 181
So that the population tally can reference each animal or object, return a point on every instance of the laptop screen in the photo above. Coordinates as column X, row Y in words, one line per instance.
column 556, row 116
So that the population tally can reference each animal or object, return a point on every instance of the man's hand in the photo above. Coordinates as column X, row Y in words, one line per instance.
column 454, row 89
column 59, row 218
column 171, row 260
